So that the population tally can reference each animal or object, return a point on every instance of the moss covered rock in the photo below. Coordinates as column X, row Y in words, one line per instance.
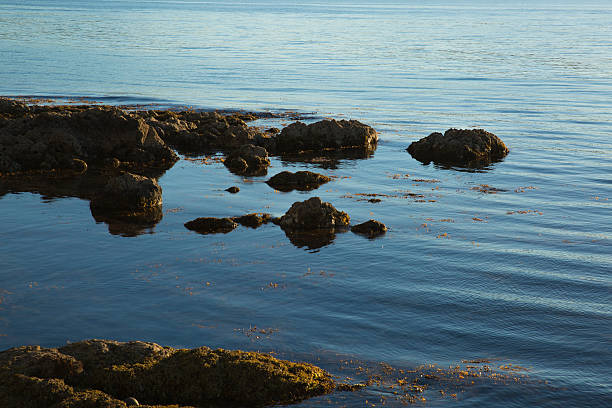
column 103, row 373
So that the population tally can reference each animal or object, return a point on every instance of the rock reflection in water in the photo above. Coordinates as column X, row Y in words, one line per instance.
column 312, row 239
column 329, row 159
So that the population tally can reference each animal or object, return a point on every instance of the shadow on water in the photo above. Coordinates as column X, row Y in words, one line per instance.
column 312, row 240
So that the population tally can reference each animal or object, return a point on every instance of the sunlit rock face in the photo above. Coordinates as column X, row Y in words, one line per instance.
column 463, row 147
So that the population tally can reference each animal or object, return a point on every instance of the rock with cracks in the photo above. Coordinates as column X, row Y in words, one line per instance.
column 104, row 373
column 302, row 180
column 462, row 147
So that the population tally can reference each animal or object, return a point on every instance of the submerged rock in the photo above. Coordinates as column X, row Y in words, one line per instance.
column 104, row 373
column 464, row 147
column 372, row 228
column 129, row 192
column 249, row 160
column 314, row 214
column 325, row 134
column 301, row 180
column 210, row 225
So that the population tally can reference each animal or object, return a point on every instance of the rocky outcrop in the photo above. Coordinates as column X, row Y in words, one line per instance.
column 371, row 228
column 104, row 373
column 210, row 225
column 50, row 139
column 301, row 180
column 199, row 132
column 325, row 134
column 314, row 214
column 248, row 160
column 463, row 147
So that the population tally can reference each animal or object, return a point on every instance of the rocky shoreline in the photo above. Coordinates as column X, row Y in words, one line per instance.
column 105, row 373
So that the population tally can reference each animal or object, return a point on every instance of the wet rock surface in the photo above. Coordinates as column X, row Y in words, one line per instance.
column 325, row 134
column 211, row 225
column 129, row 192
column 104, row 373
column 302, row 180
column 232, row 189
column 371, row 228
column 248, row 160
column 314, row 214
column 463, row 147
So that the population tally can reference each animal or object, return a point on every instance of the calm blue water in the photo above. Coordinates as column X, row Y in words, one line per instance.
column 521, row 277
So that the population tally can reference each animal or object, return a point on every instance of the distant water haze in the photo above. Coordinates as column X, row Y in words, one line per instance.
column 510, row 263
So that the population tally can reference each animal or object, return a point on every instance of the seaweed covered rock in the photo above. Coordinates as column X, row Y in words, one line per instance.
column 253, row 220
column 463, row 147
column 325, row 134
column 104, row 373
column 211, row 225
column 129, row 192
column 300, row 180
column 314, row 214
column 249, row 160
column 51, row 138
column 371, row 228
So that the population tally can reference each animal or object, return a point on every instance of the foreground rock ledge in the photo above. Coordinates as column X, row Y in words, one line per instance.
column 464, row 147
column 104, row 373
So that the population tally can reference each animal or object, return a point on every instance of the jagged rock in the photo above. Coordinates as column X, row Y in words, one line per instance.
column 301, row 180
column 232, row 189
column 371, row 228
column 313, row 214
column 50, row 138
column 108, row 373
column 210, row 225
column 465, row 147
column 129, row 192
column 248, row 159
column 198, row 132
column 253, row 220
column 325, row 134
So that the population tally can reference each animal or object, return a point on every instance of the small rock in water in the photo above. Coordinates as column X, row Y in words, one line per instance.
column 314, row 214
column 131, row 401
column 210, row 225
column 302, row 180
column 371, row 228
column 232, row 189
column 464, row 147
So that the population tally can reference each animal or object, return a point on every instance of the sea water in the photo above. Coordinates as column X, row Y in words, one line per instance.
column 511, row 264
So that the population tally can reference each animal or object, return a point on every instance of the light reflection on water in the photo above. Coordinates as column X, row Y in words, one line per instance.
column 530, row 288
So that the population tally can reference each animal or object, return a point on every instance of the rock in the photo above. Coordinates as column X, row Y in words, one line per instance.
column 371, row 228
column 199, row 132
column 253, row 220
column 116, row 374
column 325, row 134
column 131, row 401
column 232, row 189
column 129, row 192
column 464, row 147
column 301, row 180
column 313, row 214
column 209, row 225
column 248, row 159
column 47, row 138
